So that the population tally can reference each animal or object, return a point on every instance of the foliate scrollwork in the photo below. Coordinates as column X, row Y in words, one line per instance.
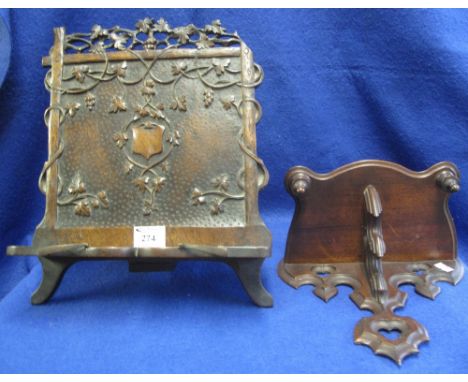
column 150, row 35
column 83, row 201
column 150, row 135
column 150, row 123
column 218, row 195
column 82, row 80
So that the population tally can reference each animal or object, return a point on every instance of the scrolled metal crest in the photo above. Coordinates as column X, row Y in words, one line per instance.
column 150, row 35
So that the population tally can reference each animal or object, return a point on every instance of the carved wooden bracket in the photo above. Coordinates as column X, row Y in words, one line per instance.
column 374, row 225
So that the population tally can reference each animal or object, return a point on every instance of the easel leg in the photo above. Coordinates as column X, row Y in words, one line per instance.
column 248, row 271
column 53, row 270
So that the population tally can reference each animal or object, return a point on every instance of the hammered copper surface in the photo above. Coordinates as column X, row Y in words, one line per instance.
column 206, row 133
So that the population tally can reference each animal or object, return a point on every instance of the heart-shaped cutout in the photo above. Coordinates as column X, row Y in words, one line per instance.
column 390, row 334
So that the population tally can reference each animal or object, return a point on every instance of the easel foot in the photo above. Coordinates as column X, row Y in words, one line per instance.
column 248, row 271
column 53, row 270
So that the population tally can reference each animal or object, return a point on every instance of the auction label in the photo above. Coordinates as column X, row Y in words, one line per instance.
column 153, row 236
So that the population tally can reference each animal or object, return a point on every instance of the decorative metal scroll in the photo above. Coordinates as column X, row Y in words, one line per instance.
column 150, row 35
column 147, row 138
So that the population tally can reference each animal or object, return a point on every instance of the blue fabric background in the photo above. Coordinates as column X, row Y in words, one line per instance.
column 5, row 44
column 340, row 85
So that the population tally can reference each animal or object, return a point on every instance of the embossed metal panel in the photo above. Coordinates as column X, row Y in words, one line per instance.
column 151, row 127
column 141, row 130
column 111, row 129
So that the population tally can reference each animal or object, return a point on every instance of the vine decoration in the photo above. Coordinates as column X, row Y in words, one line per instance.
column 149, row 119
column 221, row 183
column 82, row 200
column 78, row 196
column 220, row 191
column 150, row 35
column 83, row 79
